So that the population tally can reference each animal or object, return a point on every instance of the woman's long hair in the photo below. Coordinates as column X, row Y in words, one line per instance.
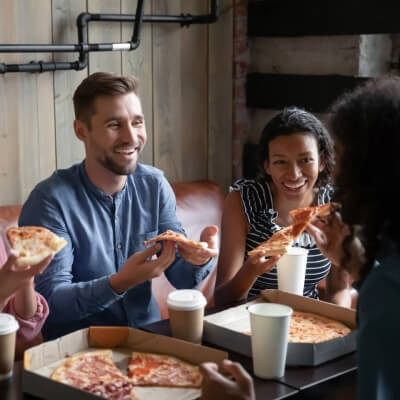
column 366, row 124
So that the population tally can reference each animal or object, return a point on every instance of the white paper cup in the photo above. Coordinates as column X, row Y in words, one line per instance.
column 8, row 329
column 291, row 269
column 186, row 314
column 269, row 338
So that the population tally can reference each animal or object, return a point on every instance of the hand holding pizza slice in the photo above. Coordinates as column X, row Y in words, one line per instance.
column 194, row 252
column 32, row 244
column 281, row 240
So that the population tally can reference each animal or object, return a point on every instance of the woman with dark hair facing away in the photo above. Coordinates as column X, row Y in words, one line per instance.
column 295, row 163
column 365, row 238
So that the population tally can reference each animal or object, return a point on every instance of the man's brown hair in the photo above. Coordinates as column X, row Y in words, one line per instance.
column 100, row 84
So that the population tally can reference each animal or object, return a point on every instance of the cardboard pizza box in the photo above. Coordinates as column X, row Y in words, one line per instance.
column 40, row 361
column 225, row 329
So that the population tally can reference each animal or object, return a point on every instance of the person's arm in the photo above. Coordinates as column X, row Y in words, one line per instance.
column 13, row 278
column 68, row 300
column 25, row 300
column 234, row 277
column 18, row 297
column 338, row 287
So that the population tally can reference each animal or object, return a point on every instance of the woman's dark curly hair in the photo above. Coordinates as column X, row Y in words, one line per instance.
column 366, row 122
column 288, row 122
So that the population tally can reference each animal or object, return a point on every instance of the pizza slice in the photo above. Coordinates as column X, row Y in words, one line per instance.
column 281, row 240
column 148, row 369
column 32, row 244
column 278, row 243
column 176, row 237
column 303, row 216
column 95, row 372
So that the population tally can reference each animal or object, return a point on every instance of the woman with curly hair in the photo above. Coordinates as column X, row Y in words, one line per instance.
column 365, row 238
column 295, row 164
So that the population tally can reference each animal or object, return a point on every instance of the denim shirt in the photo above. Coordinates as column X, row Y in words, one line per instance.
column 102, row 231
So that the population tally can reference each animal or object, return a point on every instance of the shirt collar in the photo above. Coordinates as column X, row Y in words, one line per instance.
column 95, row 190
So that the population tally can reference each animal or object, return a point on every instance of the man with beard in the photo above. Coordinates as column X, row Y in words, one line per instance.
column 105, row 207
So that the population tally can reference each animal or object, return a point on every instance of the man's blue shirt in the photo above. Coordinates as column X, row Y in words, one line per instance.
column 102, row 231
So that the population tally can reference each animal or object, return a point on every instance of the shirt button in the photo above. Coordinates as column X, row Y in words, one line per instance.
column 119, row 245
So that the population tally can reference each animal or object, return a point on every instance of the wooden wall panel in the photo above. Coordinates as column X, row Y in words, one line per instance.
column 104, row 32
column 9, row 163
column 30, row 119
column 180, row 87
column 139, row 63
column 220, row 97
column 36, row 122
column 185, row 93
column 69, row 149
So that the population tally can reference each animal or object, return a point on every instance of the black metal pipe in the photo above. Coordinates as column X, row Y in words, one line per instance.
column 83, row 47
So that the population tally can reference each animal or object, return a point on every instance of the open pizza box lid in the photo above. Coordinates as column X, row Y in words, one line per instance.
column 225, row 329
column 40, row 361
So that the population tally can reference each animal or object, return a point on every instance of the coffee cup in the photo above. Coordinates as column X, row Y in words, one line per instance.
column 186, row 313
column 291, row 268
column 8, row 329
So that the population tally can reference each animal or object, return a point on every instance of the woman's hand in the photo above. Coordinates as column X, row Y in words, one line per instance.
column 258, row 264
column 329, row 235
column 13, row 277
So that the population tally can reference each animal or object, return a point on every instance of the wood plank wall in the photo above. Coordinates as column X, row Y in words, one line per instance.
column 185, row 86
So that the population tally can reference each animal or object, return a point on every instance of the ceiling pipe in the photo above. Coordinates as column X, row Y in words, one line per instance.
column 84, row 47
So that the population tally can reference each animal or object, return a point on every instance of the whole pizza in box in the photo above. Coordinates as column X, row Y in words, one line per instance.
column 307, row 327
column 95, row 372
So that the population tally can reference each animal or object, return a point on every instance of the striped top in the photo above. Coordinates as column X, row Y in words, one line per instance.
column 259, row 209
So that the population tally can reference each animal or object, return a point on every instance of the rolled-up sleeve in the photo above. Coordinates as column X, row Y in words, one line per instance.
column 29, row 328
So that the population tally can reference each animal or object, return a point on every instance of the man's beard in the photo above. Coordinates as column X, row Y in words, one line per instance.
column 110, row 165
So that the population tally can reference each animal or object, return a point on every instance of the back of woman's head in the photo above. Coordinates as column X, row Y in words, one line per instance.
column 366, row 125
column 292, row 120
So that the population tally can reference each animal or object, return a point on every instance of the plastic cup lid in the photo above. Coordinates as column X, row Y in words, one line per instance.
column 8, row 324
column 270, row 309
column 186, row 299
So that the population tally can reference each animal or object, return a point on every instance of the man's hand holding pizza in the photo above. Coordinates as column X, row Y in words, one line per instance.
column 142, row 266
column 201, row 255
